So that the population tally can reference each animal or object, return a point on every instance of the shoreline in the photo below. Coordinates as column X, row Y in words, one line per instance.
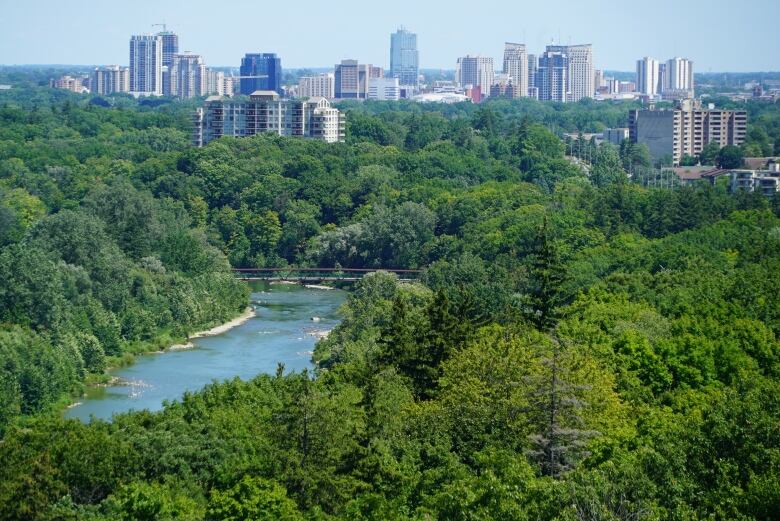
column 248, row 313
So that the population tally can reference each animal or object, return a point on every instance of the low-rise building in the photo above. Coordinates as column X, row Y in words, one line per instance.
column 266, row 112
column 384, row 89
column 319, row 86
column 70, row 83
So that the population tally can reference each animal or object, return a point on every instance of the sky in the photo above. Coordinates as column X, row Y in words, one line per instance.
column 718, row 35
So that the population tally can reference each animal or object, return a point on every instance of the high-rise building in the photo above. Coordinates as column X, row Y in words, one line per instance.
column 146, row 64
column 678, row 79
column 266, row 112
column 110, row 79
column 579, row 74
column 215, row 83
column 516, row 66
column 475, row 71
column 321, row 85
column 685, row 130
column 351, row 79
column 261, row 71
column 387, row 89
column 598, row 79
column 404, row 57
column 187, row 76
column 170, row 46
column 648, row 76
column 533, row 66
column 552, row 76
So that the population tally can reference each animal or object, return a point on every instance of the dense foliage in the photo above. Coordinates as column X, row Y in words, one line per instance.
column 580, row 346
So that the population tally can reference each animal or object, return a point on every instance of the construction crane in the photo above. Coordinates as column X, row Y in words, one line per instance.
column 165, row 27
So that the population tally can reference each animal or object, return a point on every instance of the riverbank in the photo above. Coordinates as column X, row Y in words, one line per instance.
column 227, row 326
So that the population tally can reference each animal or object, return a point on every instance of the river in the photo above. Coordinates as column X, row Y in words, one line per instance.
column 282, row 331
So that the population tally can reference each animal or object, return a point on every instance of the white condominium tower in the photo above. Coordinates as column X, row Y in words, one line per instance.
column 648, row 79
column 516, row 67
column 188, row 76
column 146, row 64
column 579, row 74
column 678, row 75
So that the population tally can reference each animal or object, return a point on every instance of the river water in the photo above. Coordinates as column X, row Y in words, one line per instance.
column 281, row 332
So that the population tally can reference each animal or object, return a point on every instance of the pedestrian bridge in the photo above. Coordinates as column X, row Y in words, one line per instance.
column 314, row 275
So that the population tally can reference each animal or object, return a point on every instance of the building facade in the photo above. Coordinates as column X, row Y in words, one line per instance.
column 351, row 79
column 146, row 64
column 319, row 86
column 110, row 79
column 261, row 71
column 475, row 71
column 579, row 70
column 384, row 89
column 266, row 112
column 404, row 57
column 648, row 79
column 188, row 76
column 516, row 67
column 70, row 83
column 678, row 79
column 685, row 130
column 552, row 76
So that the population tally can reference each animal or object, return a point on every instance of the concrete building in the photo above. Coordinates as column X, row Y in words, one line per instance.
column 533, row 85
column 686, row 129
column 516, row 67
column 678, row 79
column 266, row 112
column 261, row 71
column 110, row 79
column 598, row 80
column 404, row 57
column 579, row 70
column 766, row 182
column 70, row 83
column 552, row 76
column 648, row 79
column 475, row 71
column 187, row 76
column 146, row 65
column 384, row 89
column 321, row 85
column 351, row 79
column 615, row 136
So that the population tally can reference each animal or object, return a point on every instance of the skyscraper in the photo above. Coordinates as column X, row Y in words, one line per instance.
column 476, row 71
column 552, row 76
column 261, row 72
column 319, row 86
column 579, row 74
column 516, row 66
column 533, row 85
column 648, row 76
column 170, row 46
column 404, row 57
column 146, row 64
column 188, row 76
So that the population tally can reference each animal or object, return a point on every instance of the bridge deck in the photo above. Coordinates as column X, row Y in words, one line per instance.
column 318, row 274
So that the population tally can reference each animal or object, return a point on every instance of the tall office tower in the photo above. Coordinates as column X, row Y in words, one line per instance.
column 552, row 76
column 476, row 71
column 146, row 64
column 516, row 66
column 678, row 78
column 351, row 79
column 647, row 76
column 321, row 85
column 265, row 112
column 170, row 46
column 262, row 71
column 110, row 79
column 188, row 77
column 579, row 74
column 533, row 66
column 404, row 57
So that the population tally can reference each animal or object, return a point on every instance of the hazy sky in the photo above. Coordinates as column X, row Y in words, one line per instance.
column 718, row 35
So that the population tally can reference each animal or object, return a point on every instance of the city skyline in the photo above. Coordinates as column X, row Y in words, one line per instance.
column 617, row 35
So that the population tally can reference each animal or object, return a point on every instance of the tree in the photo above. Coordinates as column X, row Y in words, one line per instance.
column 730, row 156
column 251, row 499
column 545, row 278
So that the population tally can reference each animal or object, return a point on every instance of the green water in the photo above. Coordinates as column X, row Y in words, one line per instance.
column 281, row 332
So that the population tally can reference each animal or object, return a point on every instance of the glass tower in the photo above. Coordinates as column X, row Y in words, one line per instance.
column 261, row 72
column 404, row 58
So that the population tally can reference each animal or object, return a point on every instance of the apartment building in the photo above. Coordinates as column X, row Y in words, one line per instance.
column 319, row 86
column 516, row 68
column 266, row 112
column 579, row 70
column 187, row 76
column 146, row 64
column 110, row 79
column 686, row 129
column 475, row 71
